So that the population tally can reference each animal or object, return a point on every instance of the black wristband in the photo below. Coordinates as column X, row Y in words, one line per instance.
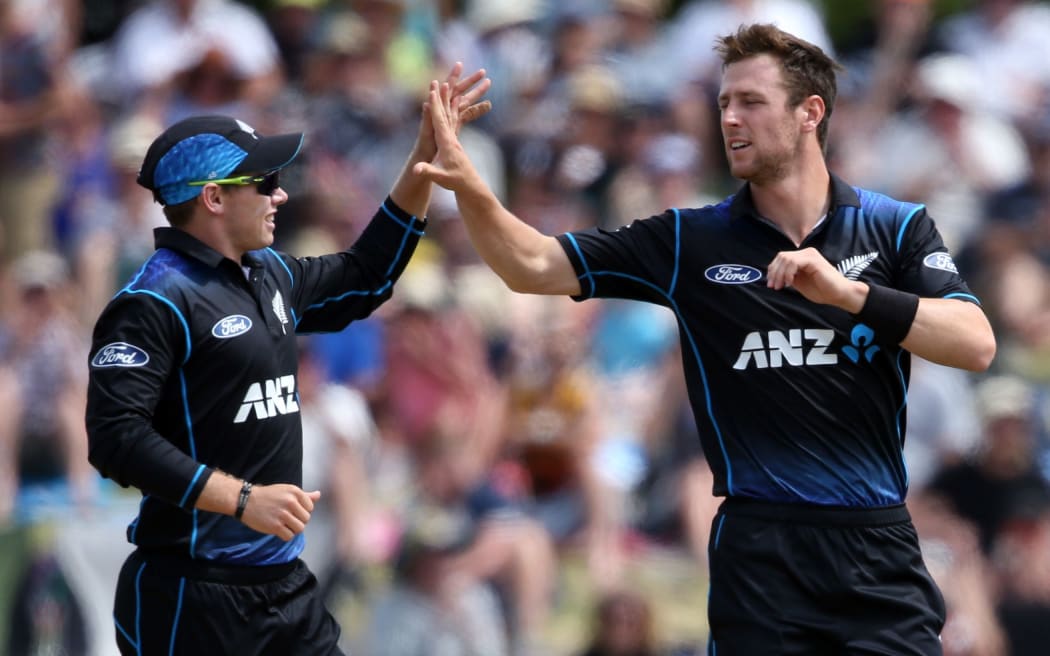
column 889, row 312
column 242, row 501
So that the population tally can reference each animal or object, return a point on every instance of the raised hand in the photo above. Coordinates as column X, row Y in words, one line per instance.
column 465, row 97
column 450, row 167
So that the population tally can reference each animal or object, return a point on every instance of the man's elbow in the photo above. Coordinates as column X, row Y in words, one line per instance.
column 983, row 353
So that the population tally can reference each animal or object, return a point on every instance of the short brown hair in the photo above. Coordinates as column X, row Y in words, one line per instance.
column 180, row 214
column 807, row 69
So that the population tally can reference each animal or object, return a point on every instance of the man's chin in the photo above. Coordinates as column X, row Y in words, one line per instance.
column 742, row 172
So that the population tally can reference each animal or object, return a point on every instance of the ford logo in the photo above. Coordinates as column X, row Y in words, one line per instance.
column 119, row 354
column 732, row 274
column 940, row 261
column 231, row 326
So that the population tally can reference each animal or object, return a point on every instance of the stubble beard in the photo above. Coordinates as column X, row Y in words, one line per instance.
column 770, row 167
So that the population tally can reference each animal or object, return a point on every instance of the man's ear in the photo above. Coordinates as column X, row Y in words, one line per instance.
column 813, row 111
column 213, row 198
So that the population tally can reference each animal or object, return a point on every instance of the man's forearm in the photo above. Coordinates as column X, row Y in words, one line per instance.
column 952, row 332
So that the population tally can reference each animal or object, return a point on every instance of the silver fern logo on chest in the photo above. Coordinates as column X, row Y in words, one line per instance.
column 279, row 310
column 852, row 267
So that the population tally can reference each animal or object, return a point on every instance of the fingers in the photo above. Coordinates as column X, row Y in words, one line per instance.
column 475, row 90
column 453, row 75
column 780, row 273
column 432, row 173
column 281, row 510
column 475, row 111
column 439, row 109
column 461, row 86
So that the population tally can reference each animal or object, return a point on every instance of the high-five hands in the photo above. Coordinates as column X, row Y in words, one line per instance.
column 450, row 168
column 464, row 96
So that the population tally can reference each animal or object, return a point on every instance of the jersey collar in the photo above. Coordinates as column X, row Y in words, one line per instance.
column 842, row 195
column 187, row 244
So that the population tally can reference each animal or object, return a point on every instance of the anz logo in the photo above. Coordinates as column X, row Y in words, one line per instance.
column 796, row 347
column 732, row 274
column 803, row 347
column 862, row 344
column 268, row 398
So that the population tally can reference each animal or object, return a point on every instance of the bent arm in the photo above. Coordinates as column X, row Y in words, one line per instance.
column 952, row 332
column 948, row 331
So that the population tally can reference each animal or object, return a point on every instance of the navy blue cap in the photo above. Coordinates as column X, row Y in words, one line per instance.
column 210, row 148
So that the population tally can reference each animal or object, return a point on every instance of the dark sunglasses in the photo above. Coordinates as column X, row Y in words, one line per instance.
column 265, row 184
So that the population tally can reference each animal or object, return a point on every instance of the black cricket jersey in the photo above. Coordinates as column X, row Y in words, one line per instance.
column 193, row 368
column 795, row 401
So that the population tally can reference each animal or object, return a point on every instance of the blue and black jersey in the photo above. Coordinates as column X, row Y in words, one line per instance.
column 795, row 401
column 193, row 369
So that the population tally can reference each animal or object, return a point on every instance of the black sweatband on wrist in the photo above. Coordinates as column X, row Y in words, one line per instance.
column 889, row 312
column 242, row 501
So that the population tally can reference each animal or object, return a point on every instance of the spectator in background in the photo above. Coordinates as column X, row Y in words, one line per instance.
column 623, row 626
column 959, row 155
column 42, row 343
column 943, row 425
column 398, row 31
column 504, row 37
column 665, row 173
column 33, row 94
column 508, row 549
column 1013, row 260
column 293, row 23
column 588, row 151
column 640, row 54
column 339, row 434
column 1022, row 565
column 556, row 433
column 111, row 238
column 1004, row 468
column 878, row 60
column 1005, row 41
column 952, row 549
column 699, row 22
column 431, row 608
column 163, row 39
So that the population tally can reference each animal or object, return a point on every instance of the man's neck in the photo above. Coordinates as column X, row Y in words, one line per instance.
column 796, row 203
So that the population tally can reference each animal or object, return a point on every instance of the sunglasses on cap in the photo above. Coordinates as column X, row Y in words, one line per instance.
column 265, row 184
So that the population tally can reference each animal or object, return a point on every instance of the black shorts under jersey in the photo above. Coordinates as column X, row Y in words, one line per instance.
column 803, row 580
column 171, row 605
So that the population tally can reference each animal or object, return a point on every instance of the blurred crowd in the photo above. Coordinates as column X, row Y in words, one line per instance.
column 467, row 438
